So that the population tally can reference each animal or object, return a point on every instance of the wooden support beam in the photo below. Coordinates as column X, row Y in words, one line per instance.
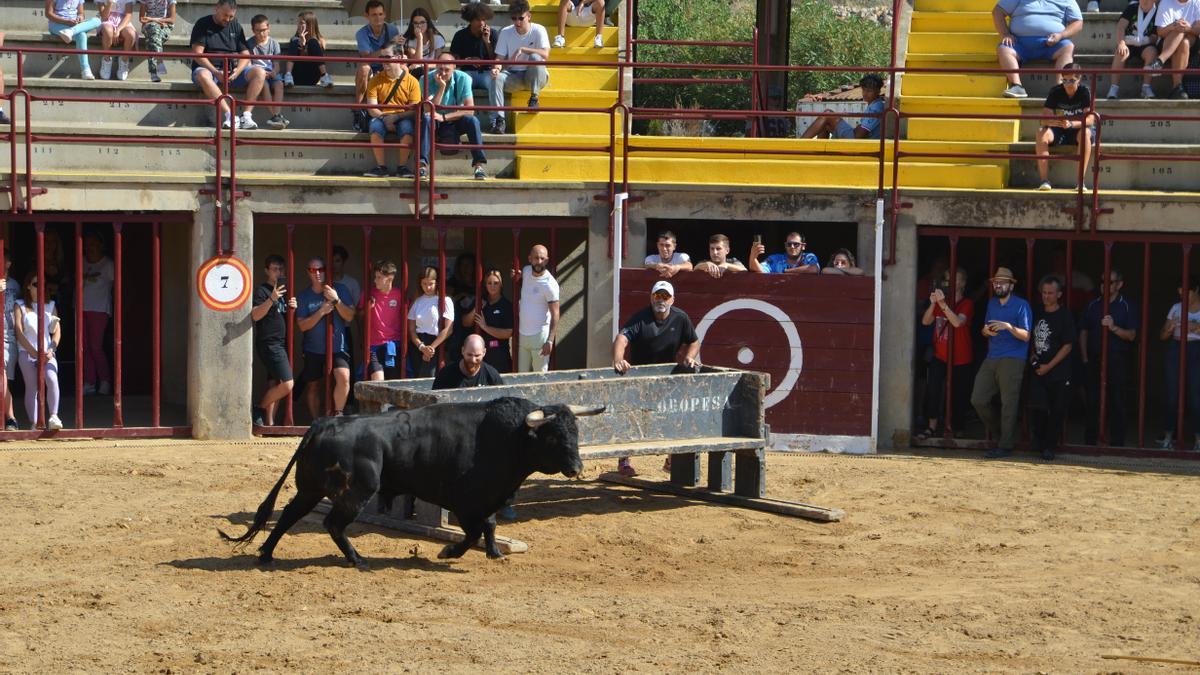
column 797, row 509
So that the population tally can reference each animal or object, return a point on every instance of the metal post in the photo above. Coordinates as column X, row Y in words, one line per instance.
column 80, row 333
column 404, row 298
column 1143, row 344
column 368, row 287
column 40, row 301
column 515, row 344
column 118, row 318
column 290, row 317
column 1184, row 288
column 1105, row 339
column 156, row 327
column 948, row 414
column 328, row 402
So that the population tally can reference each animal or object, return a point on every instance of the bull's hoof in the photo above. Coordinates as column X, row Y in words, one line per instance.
column 361, row 565
column 448, row 551
column 495, row 555
column 264, row 560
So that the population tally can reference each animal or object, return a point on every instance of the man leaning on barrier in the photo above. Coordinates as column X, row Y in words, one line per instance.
column 660, row 333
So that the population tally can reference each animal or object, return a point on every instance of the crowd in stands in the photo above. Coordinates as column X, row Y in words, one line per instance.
column 1039, row 355
column 793, row 260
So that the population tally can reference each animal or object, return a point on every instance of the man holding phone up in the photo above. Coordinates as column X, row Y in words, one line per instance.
column 1006, row 326
column 270, row 338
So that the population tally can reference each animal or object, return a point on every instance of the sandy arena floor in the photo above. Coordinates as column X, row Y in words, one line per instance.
column 112, row 563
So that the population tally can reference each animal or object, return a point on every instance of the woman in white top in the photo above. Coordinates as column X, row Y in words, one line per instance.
column 1171, row 333
column 26, row 322
column 424, row 333
column 422, row 40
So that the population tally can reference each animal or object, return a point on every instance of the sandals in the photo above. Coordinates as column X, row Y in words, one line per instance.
column 925, row 435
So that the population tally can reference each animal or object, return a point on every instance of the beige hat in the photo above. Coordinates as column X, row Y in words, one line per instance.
column 1004, row 274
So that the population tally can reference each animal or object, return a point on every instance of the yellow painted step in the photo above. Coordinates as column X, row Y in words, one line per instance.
column 930, row 84
column 933, row 22
column 981, row 131
column 961, row 104
column 862, row 174
column 954, row 5
column 605, row 54
column 954, row 42
column 564, row 123
column 552, row 97
column 600, row 79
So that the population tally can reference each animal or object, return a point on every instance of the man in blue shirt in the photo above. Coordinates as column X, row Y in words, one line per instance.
column 448, row 88
column 1034, row 30
column 313, row 305
column 868, row 127
column 1120, row 322
column 1006, row 326
column 370, row 40
column 794, row 259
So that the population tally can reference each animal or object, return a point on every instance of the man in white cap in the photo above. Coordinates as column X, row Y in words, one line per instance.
column 660, row 333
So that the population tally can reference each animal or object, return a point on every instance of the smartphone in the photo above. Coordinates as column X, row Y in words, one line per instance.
column 757, row 239
column 281, row 281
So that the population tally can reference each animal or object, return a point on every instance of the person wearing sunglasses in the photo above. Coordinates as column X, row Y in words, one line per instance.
column 314, row 304
column 522, row 41
column 793, row 260
column 1067, row 123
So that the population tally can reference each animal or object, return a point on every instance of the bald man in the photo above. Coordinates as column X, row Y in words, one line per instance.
column 470, row 370
column 538, row 312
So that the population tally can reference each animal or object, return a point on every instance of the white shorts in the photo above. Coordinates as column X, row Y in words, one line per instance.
column 10, row 360
column 585, row 17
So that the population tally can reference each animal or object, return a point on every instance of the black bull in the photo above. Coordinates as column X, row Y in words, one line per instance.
column 465, row 457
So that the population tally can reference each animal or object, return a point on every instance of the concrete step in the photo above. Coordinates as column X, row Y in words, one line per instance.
column 1160, row 174
column 115, row 158
column 1160, row 132
column 1038, row 85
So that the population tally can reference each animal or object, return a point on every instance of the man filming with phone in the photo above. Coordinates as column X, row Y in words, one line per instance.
column 269, row 314
column 1006, row 326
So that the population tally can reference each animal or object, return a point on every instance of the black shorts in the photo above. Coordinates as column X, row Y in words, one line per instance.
column 314, row 366
column 275, row 359
column 379, row 360
column 1136, row 52
column 1068, row 136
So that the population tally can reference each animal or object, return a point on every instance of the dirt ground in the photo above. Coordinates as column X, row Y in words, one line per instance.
column 112, row 563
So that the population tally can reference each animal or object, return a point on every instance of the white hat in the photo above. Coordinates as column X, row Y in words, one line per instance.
column 663, row 286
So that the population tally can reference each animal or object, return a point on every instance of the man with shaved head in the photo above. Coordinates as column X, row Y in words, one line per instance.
column 538, row 310
column 470, row 370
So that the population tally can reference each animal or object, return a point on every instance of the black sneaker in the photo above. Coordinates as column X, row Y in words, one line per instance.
column 4, row 118
column 533, row 102
column 404, row 172
column 1048, row 455
column 378, row 172
column 258, row 416
column 998, row 453
column 422, row 170
column 10, row 424
column 1178, row 93
column 1156, row 64
column 497, row 126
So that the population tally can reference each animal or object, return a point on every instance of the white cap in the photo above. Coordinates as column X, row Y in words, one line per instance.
column 663, row 286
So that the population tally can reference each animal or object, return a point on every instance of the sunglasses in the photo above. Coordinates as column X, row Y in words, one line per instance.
column 519, row 19
column 314, row 270
column 792, row 244
column 661, row 295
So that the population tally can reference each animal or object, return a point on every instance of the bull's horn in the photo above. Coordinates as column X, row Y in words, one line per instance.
column 536, row 419
column 587, row 410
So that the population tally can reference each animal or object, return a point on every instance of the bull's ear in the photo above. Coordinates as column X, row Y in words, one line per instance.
column 537, row 418
column 587, row 410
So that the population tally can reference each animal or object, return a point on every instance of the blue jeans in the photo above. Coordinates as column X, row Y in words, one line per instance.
column 81, row 30
column 1191, row 388
column 404, row 127
column 450, row 132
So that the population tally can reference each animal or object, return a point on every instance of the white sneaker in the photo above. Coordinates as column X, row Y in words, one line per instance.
column 226, row 124
column 86, row 74
column 560, row 41
column 123, row 69
column 1093, row 6
column 67, row 36
column 162, row 68
column 598, row 43
column 106, row 68
column 54, row 424
column 1147, row 92
column 1045, row 186
column 246, row 122
column 288, row 80
column 325, row 81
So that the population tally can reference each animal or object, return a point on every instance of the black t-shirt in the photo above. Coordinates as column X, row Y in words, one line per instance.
column 654, row 342
column 1131, row 15
column 1068, row 106
column 465, row 45
column 498, row 314
column 272, row 327
column 1052, row 330
column 451, row 377
column 227, row 39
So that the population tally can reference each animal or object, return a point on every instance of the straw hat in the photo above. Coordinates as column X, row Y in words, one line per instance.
column 1004, row 274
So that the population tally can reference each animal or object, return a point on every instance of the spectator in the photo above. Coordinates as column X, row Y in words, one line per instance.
column 1074, row 126
column 12, row 293
column 868, row 127
column 338, row 273
column 719, row 261
column 668, row 262
column 265, row 45
column 943, row 318
column 220, row 33
column 384, row 307
column 157, row 18
column 425, row 332
column 394, row 94
column 793, row 260
column 494, row 319
column 539, row 312
column 1053, row 338
column 660, row 333
column 1137, row 38
column 1121, row 321
column 449, row 88
column 522, row 41
column 1006, row 326
column 4, row 119
column 65, row 19
column 461, row 289
column 314, row 305
column 98, row 276
column 422, row 40
column 842, row 262
column 1034, row 30
column 307, row 41
column 472, row 370
column 1175, row 24
column 26, row 319
column 269, row 314
column 1171, row 332
column 375, row 39
column 116, row 28
column 475, row 42
column 581, row 13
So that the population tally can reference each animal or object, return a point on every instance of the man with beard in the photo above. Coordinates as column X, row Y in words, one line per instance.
column 1006, row 326
column 660, row 333
column 470, row 370
column 1053, row 338
column 538, row 311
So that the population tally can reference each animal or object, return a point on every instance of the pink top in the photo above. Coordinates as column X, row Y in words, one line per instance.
column 386, row 315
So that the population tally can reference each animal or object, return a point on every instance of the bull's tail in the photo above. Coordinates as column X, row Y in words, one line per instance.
column 267, row 507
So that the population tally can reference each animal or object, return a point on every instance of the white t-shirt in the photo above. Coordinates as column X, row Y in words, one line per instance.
column 98, row 285
column 536, row 295
column 424, row 312
column 1193, row 322
column 30, row 325
column 677, row 258
column 510, row 41
column 1170, row 11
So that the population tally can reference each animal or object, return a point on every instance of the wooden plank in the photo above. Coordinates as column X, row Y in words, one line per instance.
column 669, row 447
column 796, row 509
column 507, row 545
